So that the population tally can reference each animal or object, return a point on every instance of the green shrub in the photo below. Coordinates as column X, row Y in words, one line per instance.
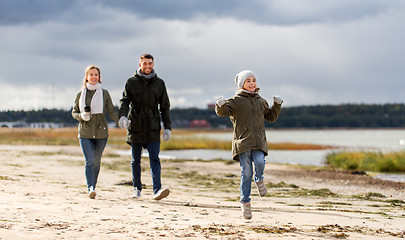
column 367, row 161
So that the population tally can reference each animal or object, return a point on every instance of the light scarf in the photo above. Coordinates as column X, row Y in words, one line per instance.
column 96, row 105
column 246, row 91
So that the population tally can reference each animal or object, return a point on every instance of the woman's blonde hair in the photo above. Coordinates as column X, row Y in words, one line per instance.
column 90, row 67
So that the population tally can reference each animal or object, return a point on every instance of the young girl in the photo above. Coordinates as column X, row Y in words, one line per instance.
column 90, row 107
column 248, row 111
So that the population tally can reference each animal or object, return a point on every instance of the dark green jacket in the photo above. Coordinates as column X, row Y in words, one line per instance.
column 248, row 112
column 97, row 127
column 145, row 103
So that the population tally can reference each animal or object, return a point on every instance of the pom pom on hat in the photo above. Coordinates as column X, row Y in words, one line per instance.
column 241, row 77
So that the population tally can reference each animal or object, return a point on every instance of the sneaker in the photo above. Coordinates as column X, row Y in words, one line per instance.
column 162, row 193
column 246, row 212
column 92, row 193
column 136, row 194
column 261, row 187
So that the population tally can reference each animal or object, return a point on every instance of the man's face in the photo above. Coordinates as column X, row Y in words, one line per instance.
column 146, row 65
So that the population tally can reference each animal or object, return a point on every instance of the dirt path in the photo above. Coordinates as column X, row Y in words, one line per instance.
column 43, row 196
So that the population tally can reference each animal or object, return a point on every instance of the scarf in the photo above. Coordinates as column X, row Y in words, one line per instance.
column 147, row 77
column 246, row 91
column 96, row 105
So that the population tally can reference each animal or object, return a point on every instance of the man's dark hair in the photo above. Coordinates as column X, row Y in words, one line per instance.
column 146, row 55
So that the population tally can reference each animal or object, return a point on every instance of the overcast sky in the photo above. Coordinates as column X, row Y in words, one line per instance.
column 306, row 51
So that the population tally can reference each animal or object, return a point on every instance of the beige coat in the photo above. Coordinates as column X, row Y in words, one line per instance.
column 97, row 127
column 247, row 112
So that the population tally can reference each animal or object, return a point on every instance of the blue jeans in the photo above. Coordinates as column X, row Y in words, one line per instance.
column 155, row 168
column 92, row 151
column 245, row 160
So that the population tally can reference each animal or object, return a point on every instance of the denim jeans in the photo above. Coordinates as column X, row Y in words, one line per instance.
column 245, row 160
column 155, row 168
column 92, row 151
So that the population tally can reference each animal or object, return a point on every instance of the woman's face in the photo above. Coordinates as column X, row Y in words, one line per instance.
column 250, row 84
column 93, row 76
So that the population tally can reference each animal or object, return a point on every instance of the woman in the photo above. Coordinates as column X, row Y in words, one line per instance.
column 90, row 107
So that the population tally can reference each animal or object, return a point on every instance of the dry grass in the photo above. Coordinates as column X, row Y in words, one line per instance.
column 182, row 139
column 32, row 136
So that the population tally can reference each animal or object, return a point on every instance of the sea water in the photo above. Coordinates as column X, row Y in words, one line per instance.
column 383, row 140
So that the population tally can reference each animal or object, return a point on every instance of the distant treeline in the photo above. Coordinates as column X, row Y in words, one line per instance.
column 343, row 116
column 318, row 116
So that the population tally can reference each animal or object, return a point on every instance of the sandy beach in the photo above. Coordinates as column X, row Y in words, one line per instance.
column 43, row 196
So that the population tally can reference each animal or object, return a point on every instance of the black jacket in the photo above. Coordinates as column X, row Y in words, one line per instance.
column 145, row 103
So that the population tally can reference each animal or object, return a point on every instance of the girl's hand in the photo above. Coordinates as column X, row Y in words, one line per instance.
column 220, row 101
column 278, row 100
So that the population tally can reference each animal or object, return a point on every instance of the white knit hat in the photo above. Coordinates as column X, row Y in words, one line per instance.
column 241, row 77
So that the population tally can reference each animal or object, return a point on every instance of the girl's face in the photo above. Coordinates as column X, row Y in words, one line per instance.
column 93, row 76
column 250, row 84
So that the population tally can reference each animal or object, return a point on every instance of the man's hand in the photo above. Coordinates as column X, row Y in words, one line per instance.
column 166, row 135
column 123, row 122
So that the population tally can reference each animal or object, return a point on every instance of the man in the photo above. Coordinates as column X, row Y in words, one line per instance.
column 143, row 105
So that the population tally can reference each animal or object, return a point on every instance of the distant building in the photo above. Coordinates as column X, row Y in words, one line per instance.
column 46, row 125
column 200, row 123
column 17, row 124
column 180, row 123
column 211, row 106
column 23, row 124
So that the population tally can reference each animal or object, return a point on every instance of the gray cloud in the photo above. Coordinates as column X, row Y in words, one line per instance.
column 308, row 52
column 274, row 12
column 32, row 11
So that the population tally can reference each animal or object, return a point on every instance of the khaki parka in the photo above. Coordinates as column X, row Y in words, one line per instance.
column 247, row 112
column 97, row 127
column 145, row 103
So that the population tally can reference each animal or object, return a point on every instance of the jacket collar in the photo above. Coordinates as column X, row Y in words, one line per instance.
column 245, row 93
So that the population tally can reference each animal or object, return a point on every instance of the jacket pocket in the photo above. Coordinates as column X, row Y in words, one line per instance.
column 154, row 123
column 136, row 124
column 83, row 125
column 102, row 124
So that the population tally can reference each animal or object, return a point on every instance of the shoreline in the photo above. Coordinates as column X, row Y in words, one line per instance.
column 43, row 196
column 214, row 154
